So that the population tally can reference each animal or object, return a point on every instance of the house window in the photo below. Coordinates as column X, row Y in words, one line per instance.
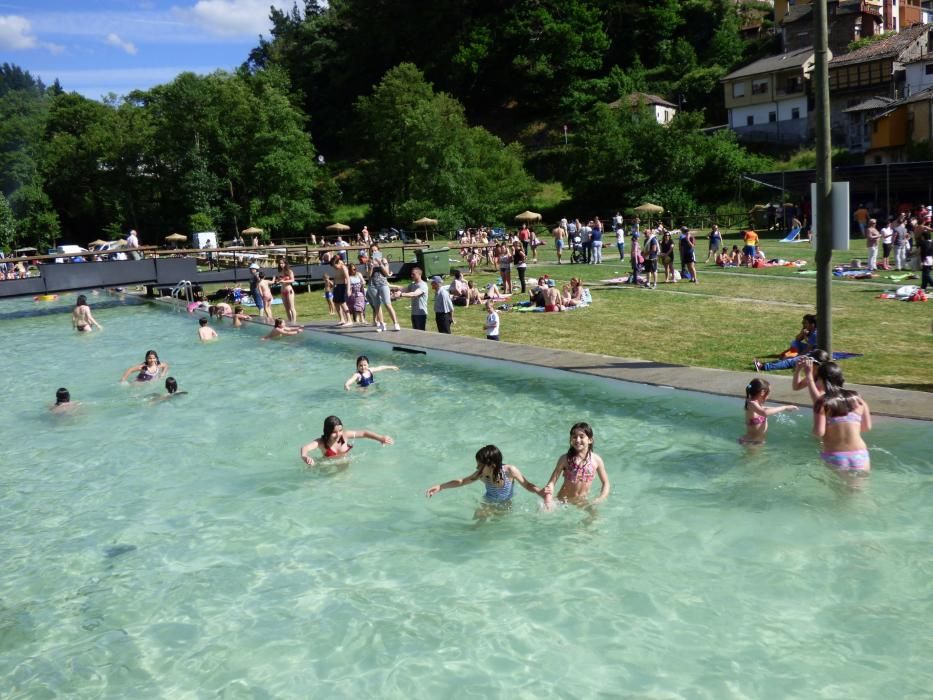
column 929, row 68
column 760, row 87
column 772, row 116
column 750, row 120
column 795, row 113
column 738, row 89
column 793, row 85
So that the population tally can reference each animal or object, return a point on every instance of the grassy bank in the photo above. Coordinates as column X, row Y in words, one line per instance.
column 729, row 318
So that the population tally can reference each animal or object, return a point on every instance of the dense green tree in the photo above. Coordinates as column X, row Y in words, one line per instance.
column 425, row 159
column 37, row 222
column 7, row 226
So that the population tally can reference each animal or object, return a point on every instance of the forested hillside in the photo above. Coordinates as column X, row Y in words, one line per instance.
column 456, row 110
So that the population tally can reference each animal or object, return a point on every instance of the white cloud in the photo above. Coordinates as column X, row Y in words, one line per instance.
column 231, row 17
column 115, row 40
column 15, row 33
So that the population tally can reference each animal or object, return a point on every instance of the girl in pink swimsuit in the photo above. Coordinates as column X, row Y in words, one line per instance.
column 756, row 414
column 579, row 465
column 841, row 419
column 333, row 441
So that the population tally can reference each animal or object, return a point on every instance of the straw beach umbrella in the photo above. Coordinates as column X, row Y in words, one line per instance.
column 338, row 227
column 527, row 217
column 252, row 230
column 648, row 208
column 176, row 238
column 425, row 221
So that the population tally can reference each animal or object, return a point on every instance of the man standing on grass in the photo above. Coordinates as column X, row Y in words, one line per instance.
column 443, row 305
column 560, row 236
column 872, row 236
column 417, row 291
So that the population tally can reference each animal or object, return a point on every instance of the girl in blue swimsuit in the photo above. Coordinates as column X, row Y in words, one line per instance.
column 498, row 478
column 363, row 376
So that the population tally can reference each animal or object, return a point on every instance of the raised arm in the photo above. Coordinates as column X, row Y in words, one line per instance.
column 369, row 435
column 454, row 484
column 347, row 384
column 380, row 368
column 130, row 370
column 760, row 410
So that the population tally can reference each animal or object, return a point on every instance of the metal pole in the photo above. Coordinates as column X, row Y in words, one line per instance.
column 824, row 182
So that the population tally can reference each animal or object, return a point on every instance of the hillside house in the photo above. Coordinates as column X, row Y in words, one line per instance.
column 769, row 100
column 662, row 110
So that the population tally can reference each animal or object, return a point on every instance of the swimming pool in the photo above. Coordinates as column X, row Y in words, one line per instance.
column 182, row 549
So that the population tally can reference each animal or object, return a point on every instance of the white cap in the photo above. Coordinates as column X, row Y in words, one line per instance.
column 254, row 266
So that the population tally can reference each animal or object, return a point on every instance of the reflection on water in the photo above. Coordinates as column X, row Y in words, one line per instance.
column 183, row 548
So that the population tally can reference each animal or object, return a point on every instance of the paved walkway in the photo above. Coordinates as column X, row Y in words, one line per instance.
column 897, row 403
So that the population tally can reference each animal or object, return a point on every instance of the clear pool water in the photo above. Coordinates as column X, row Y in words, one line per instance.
column 183, row 549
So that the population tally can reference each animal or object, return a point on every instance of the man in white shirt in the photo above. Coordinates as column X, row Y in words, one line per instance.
column 132, row 241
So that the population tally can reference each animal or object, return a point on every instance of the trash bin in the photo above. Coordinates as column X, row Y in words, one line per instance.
column 434, row 261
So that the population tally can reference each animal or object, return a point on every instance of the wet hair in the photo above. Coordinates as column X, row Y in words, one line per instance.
column 831, row 375
column 203, row 321
column 62, row 396
column 148, row 353
column 211, row 310
column 840, row 403
column 330, row 424
column 278, row 323
column 82, row 301
column 819, row 356
column 171, row 386
column 490, row 456
column 755, row 387
column 587, row 430
column 360, row 359
column 237, row 309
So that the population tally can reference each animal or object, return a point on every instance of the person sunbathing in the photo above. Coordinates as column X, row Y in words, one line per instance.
column 493, row 292
column 573, row 293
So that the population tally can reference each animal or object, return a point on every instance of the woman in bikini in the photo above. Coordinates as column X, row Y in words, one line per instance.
column 285, row 277
column 81, row 318
column 841, row 419
column 578, row 466
column 152, row 368
column 333, row 441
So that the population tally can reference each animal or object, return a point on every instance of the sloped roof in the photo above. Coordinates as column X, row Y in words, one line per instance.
column 637, row 98
column 925, row 94
column 889, row 47
column 791, row 59
column 796, row 13
column 870, row 104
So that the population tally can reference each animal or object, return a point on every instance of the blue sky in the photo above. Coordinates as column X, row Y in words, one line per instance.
column 95, row 47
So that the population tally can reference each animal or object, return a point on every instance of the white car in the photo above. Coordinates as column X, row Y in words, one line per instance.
column 70, row 251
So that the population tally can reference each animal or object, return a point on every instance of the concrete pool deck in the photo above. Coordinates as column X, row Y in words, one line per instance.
column 896, row 403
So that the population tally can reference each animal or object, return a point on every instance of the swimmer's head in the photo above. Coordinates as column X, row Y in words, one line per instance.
column 756, row 388
column 362, row 362
column 278, row 323
column 490, row 456
column 62, row 396
column 332, row 426
column 171, row 386
column 237, row 309
column 819, row 356
column 830, row 373
column 581, row 439
column 82, row 301
column 203, row 321
column 151, row 355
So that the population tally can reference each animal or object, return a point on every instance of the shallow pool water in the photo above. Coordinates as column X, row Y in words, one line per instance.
column 182, row 549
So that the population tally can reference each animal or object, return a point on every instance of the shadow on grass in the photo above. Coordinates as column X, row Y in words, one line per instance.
column 620, row 365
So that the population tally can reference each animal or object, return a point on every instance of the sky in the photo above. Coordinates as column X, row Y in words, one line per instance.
column 97, row 47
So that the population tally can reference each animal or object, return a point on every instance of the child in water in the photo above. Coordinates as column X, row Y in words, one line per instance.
column 171, row 386
column 333, row 440
column 579, row 465
column 756, row 415
column 840, row 419
column 498, row 478
column 63, row 402
column 151, row 368
column 239, row 316
column 280, row 330
column 363, row 376
column 205, row 332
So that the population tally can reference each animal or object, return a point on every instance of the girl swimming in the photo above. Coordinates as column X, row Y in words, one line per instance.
column 841, row 419
column 363, row 376
column 171, row 387
column 151, row 368
column 333, row 440
column 498, row 478
column 578, row 465
column 756, row 414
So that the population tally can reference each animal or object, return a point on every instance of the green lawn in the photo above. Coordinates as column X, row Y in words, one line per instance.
column 729, row 318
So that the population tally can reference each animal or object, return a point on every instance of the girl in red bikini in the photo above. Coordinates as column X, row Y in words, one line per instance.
column 333, row 440
column 579, row 465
